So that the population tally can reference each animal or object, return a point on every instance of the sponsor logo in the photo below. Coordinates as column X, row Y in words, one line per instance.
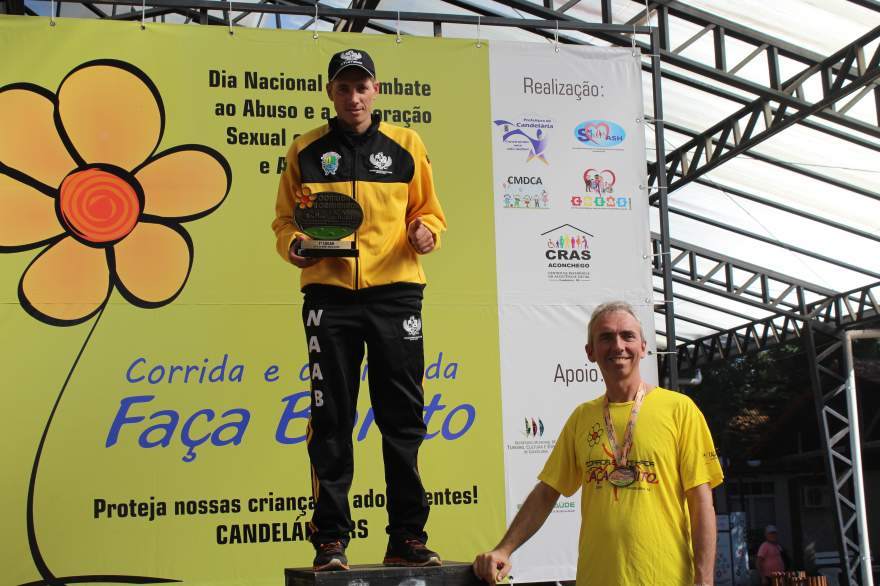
column 380, row 162
column 524, row 180
column 330, row 162
column 567, row 252
column 565, row 506
column 534, row 442
column 351, row 55
column 599, row 187
column 534, row 428
column 599, row 134
column 524, row 192
column 412, row 326
column 599, row 202
column 528, row 135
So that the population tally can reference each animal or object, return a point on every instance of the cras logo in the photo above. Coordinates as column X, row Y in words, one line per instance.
column 567, row 251
column 599, row 134
column 571, row 244
column 599, row 192
column 524, row 192
column 529, row 135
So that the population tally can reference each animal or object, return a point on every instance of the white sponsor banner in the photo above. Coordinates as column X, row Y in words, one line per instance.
column 572, row 231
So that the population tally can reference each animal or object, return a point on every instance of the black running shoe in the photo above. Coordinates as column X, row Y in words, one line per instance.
column 330, row 556
column 410, row 552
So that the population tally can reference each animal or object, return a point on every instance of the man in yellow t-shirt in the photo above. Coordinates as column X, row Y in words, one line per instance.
column 645, row 463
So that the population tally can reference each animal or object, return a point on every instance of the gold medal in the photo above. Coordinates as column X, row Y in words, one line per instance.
column 622, row 476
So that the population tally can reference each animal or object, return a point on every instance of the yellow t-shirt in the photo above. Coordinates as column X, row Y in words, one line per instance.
column 638, row 535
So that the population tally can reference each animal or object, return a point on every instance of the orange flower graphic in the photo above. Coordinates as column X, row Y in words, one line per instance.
column 305, row 198
column 80, row 176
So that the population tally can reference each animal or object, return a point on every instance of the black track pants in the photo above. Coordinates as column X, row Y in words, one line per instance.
column 338, row 323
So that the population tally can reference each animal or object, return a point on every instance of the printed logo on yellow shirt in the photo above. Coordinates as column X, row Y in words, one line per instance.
column 599, row 468
column 595, row 435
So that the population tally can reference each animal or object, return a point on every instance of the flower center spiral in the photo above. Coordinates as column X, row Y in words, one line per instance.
column 99, row 206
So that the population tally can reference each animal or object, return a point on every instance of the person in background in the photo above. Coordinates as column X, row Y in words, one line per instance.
column 770, row 554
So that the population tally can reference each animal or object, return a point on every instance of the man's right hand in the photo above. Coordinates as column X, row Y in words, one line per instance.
column 300, row 261
column 492, row 566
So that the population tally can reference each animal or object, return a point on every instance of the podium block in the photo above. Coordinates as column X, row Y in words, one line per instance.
column 449, row 574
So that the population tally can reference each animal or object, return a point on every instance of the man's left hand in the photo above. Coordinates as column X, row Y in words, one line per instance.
column 420, row 237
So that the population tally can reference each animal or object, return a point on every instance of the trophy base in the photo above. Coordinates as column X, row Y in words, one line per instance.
column 327, row 248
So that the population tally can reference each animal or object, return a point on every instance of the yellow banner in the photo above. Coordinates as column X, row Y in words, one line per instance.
column 155, row 378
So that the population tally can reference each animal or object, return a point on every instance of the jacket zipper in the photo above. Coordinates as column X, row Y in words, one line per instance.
column 354, row 196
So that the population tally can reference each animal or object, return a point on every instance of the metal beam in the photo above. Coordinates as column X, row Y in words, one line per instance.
column 827, row 355
column 678, row 128
column 706, row 304
column 691, row 65
column 738, row 280
column 14, row 7
column 774, row 47
column 856, row 307
column 663, row 260
column 774, row 242
column 95, row 10
column 788, row 209
column 740, row 32
column 617, row 35
column 354, row 13
column 148, row 13
column 356, row 25
column 720, row 92
column 872, row 4
column 662, row 333
column 755, row 123
column 691, row 320
column 695, row 67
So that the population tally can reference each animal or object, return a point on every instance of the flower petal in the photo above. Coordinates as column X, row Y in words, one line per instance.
column 29, row 141
column 153, row 263
column 186, row 182
column 112, row 113
column 27, row 216
column 66, row 284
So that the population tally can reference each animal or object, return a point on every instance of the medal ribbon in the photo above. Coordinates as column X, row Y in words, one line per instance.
column 622, row 454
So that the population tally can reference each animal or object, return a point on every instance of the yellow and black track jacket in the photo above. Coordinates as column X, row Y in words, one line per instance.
column 387, row 171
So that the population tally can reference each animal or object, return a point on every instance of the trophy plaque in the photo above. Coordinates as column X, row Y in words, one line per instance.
column 327, row 217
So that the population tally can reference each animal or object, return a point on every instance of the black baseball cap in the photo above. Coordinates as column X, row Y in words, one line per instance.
column 350, row 58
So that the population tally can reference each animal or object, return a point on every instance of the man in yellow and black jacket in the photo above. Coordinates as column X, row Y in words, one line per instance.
column 372, row 300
